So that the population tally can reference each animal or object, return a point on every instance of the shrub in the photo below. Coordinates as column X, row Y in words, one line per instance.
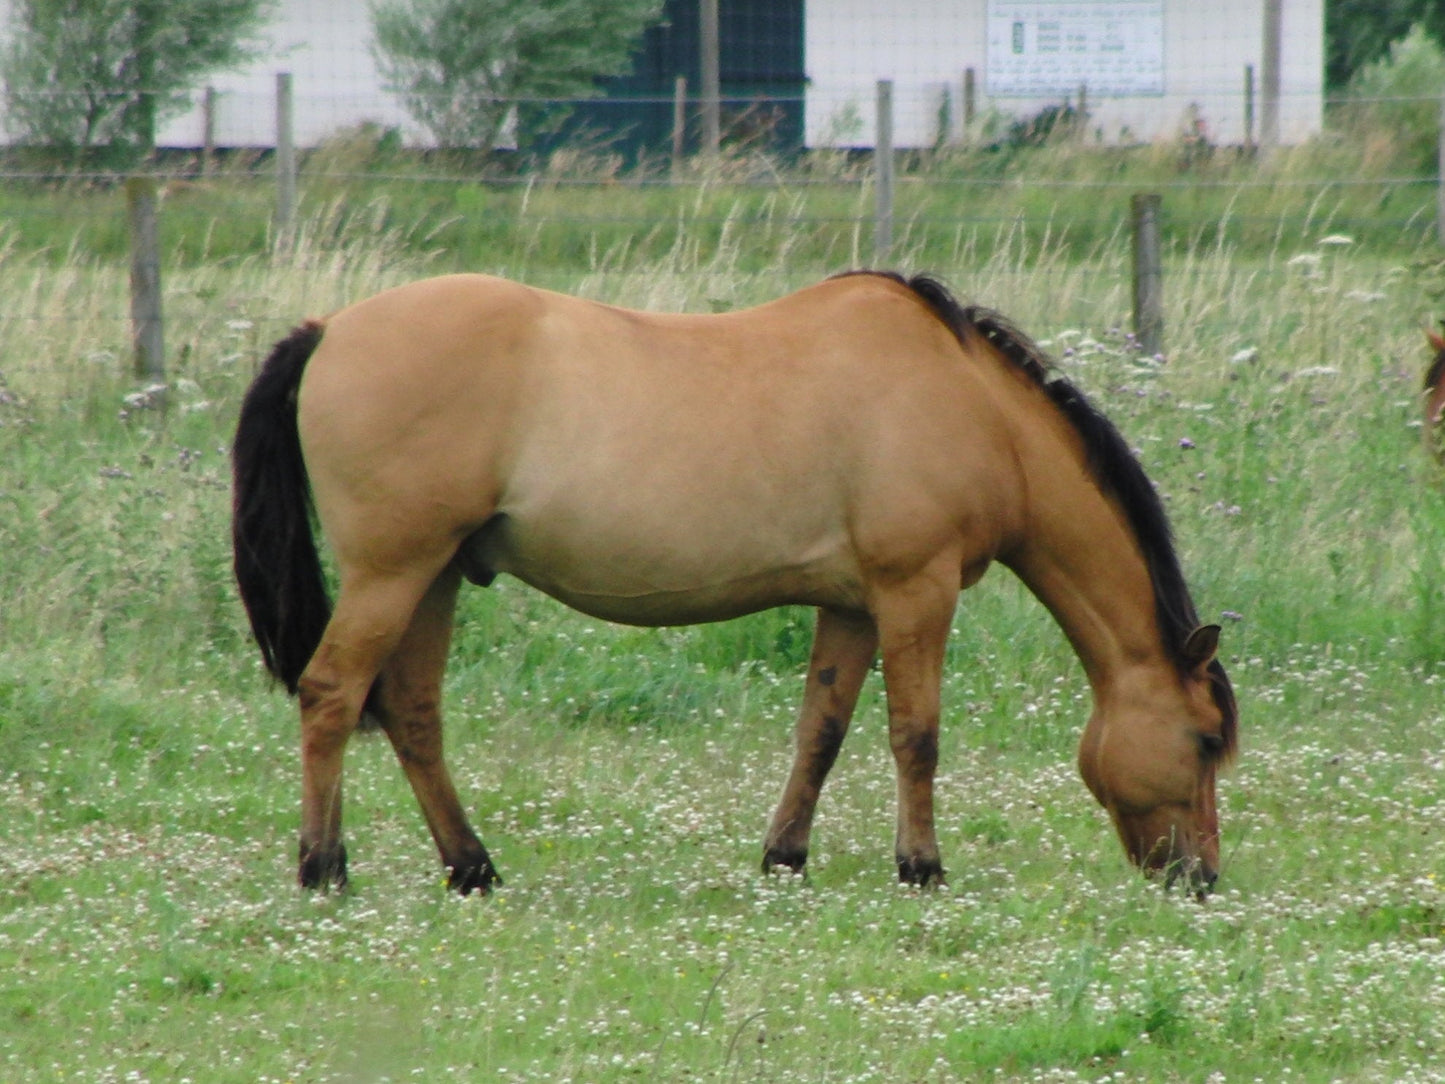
column 1393, row 104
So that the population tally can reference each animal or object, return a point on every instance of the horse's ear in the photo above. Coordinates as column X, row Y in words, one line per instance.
column 1200, row 646
column 1435, row 339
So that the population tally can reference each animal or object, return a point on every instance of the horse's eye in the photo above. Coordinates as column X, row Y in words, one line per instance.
column 1211, row 746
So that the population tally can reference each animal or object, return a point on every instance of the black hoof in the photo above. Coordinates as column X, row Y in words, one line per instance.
column 471, row 877
column 322, row 869
column 923, row 872
column 1196, row 877
column 789, row 859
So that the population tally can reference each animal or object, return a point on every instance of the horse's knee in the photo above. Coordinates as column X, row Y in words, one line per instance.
column 329, row 711
column 415, row 734
column 915, row 749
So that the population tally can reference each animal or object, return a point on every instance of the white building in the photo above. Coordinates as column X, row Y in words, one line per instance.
column 1150, row 69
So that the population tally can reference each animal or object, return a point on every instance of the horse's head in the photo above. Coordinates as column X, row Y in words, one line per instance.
column 1434, row 393
column 1150, row 755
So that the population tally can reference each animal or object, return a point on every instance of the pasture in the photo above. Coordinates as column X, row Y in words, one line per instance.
column 150, row 928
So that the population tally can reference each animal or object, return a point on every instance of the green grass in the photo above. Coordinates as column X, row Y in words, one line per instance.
column 748, row 214
column 149, row 926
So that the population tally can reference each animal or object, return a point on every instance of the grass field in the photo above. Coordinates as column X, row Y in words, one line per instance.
column 149, row 924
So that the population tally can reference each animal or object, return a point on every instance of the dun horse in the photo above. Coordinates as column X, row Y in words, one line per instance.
column 866, row 446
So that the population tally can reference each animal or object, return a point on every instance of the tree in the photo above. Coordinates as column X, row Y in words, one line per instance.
column 464, row 68
column 1397, row 98
column 89, row 76
column 1358, row 32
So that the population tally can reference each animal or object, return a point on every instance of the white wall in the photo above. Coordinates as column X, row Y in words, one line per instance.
column 923, row 45
column 335, row 85
column 926, row 45
column 324, row 44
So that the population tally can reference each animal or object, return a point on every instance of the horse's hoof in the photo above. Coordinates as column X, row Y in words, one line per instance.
column 1197, row 877
column 478, row 877
column 791, row 859
column 923, row 872
column 320, row 869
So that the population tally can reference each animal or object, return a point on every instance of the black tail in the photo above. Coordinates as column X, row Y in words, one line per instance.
column 277, row 567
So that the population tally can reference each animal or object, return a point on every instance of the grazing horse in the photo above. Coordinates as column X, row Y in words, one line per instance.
column 866, row 446
column 1434, row 395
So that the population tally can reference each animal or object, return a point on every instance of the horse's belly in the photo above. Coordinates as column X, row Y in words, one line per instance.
column 654, row 576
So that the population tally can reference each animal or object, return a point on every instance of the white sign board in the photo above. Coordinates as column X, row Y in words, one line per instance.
column 1038, row 48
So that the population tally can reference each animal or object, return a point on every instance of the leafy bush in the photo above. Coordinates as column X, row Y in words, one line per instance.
column 1393, row 104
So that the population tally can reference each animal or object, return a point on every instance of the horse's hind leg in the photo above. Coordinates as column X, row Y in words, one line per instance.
column 370, row 617
column 408, row 702
column 843, row 650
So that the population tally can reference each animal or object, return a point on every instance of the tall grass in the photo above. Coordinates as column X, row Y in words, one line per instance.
column 979, row 203
column 622, row 777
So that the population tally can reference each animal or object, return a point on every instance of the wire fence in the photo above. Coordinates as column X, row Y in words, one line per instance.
column 999, row 237
column 882, row 189
column 948, row 188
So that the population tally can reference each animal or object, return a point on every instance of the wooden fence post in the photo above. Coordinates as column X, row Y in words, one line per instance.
column 679, row 121
column 208, row 130
column 1270, row 76
column 883, row 175
column 285, row 164
column 1440, row 178
column 1249, row 108
column 147, row 330
column 1148, row 274
column 708, row 66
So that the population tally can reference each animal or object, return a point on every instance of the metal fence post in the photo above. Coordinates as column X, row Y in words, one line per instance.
column 1148, row 274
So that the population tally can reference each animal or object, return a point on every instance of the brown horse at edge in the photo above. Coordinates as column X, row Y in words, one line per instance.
column 866, row 446
column 1434, row 395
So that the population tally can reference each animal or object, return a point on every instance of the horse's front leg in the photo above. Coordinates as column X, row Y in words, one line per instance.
column 913, row 623
column 843, row 649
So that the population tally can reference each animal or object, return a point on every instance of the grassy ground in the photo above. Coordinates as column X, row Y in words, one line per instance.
column 150, row 930
column 577, row 211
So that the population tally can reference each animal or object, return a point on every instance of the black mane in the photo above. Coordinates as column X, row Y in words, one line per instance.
column 1112, row 464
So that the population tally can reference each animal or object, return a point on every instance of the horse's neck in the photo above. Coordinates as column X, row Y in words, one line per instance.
column 1083, row 562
